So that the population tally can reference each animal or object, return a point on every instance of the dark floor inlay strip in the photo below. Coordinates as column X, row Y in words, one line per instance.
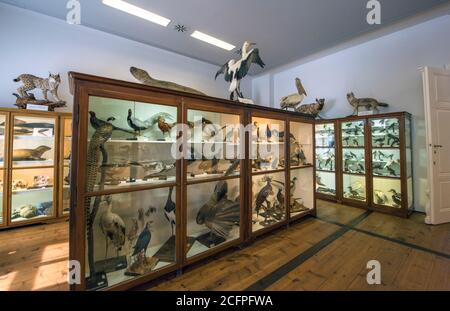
column 394, row 240
column 281, row 272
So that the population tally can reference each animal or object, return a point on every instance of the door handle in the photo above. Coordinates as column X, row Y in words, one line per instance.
column 438, row 146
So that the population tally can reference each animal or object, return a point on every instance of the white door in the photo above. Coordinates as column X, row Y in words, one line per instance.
column 437, row 118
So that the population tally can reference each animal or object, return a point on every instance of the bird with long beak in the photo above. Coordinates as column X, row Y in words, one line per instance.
column 235, row 70
column 294, row 100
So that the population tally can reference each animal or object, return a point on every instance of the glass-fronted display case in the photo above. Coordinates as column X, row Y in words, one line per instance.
column 33, row 171
column 130, row 190
column 301, row 171
column 3, row 139
column 268, row 167
column 391, row 163
column 213, row 178
column 325, row 136
column 65, row 156
column 354, row 166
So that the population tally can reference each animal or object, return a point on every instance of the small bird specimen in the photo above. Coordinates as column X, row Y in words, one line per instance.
column 379, row 141
column 235, row 70
column 169, row 211
column 294, row 100
column 136, row 124
column 353, row 193
column 160, row 120
column 380, row 197
column 262, row 201
column 393, row 140
column 319, row 181
column 396, row 198
column 140, row 248
column 113, row 227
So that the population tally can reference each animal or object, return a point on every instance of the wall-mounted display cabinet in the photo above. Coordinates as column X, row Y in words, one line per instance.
column 139, row 210
column 30, row 151
column 374, row 168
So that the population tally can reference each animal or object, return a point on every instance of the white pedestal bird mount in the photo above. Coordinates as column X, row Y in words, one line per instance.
column 235, row 70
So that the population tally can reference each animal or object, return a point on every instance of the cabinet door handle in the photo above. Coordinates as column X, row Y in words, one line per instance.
column 438, row 146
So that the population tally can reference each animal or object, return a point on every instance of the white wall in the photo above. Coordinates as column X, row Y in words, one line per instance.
column 385, row 68
column 35, row 43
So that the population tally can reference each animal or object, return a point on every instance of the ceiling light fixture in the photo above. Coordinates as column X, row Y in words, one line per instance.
column 137, row 11
column 211, row 40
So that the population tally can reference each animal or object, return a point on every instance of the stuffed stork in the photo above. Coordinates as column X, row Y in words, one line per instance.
column 234, row 71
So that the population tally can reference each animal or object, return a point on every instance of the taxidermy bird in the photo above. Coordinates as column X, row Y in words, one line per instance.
column 136, row 124
column 235, row 70
column 293, row 185
column 113, row 227
column 379, row 141
column 169, row 210
column 160, row 120
column 380, row 197
column 262, row 197
column 319, row 181
column 219, row 214
column 143, row 241
column 294, row 100
column 396, row 197
column 132, row 234
column 96, row 123
column 354, row 193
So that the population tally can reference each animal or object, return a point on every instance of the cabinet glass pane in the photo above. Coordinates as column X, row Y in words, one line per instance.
column 268, row 203
column 2, row 140
column 386, row 162
column 213, row 215
column 326, row 183
column 66, row 164
column 2, row 175
column 325, row 159
column 301, row 144
column 385, row 133
column 353, row 134
column 353, row 160
column 301, row 191
column 410, row 193
column 267, row 148
column 214, row 145
column 133, row 234
column 32, row 194
column 34, row 141
column 354, row 187
column 325, row 135
column 387, row 192
column 137, row 140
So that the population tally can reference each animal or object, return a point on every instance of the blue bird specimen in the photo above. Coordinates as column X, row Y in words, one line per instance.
column 143, row 240
column 169, row 210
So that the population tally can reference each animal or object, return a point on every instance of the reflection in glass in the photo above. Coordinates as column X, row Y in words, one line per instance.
column 1, row 196
column 32, row 194
column 132, row 234
column 353, row 161
column 268, row 200
column 123, row 154
column 354, row 187
column 301, row 191
column 353, row 134
column 213, row 215
column 325, row 159
column 267, row 148
column 33, row 143
column 214, row 145
column 386, row 162
column 385, row 133
column 326, row 183
column 387, row 192
column 301, row 147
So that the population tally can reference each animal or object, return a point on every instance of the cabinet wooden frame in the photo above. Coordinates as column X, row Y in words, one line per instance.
column 337, row 166
column 61, row 162
column 83, row 86
column 404, row 211
column 9, row 169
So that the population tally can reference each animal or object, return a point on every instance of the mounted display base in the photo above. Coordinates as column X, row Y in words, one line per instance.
column 111, row 264
column 142, row 265
column 210, row 240
column 96, row 282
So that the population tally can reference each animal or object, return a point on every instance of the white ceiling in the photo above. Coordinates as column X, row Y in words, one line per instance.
column 285, row 30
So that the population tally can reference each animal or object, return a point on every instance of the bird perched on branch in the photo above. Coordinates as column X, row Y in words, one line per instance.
column 235, row 70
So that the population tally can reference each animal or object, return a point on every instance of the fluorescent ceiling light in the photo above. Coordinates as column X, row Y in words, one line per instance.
column 137, row 11
column 211, row 40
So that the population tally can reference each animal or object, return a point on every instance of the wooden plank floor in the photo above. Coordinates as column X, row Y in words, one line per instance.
column 315, row 254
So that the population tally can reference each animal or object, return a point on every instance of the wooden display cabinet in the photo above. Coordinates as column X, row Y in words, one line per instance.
column 373, row 162
column 327, row 160
column 4, row 121
column 203, row 227
column 64, row 164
